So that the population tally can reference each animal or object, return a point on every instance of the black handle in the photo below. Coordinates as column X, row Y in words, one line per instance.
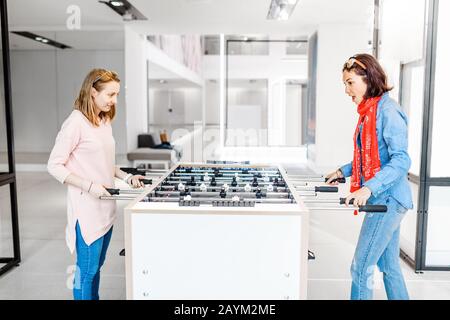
column 113, row 191
column 342, row 201
column 146, row 181
column 133, row 171
column 373, row 208
column 339, row 180
column 326, row 189
column 367, row 207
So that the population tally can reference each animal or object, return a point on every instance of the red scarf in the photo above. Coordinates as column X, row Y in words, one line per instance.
column 370, row 162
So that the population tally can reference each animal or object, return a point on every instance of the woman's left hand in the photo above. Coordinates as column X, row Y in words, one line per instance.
column 135, row 181
column 361, row 196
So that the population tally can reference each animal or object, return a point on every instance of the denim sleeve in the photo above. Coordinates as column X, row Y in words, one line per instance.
column 395, row 134
column 347, row 169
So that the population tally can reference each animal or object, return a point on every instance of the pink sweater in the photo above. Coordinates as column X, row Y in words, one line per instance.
column 88, row 152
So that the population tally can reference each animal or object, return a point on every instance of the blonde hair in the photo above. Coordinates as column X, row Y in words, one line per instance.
column 96, row 78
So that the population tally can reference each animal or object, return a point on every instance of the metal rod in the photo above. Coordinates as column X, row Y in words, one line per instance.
column 219, row 183
column 210, row 200
column 188, row 178
column 131, row 191
column 227, row 170
column 225, row 176
column 339, row 209
column 119, row 197
column 319, row 189
column 304, row 184
column 150, row 174
column 307, row 194
column 321, row 201
column 231, row 189
column 228, row 194
column 341, row 201
column 305, row 176
column 332, row 208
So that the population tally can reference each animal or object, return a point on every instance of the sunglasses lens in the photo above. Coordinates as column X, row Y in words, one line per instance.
column 350, row 63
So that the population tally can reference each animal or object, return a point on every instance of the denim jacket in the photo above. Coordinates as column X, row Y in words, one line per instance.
column 392, row 134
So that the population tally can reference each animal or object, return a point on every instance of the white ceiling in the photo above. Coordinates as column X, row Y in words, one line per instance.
column 100, row 27
column 81, row 40
column 174, row 17
column 246, row 16
column 52, row 14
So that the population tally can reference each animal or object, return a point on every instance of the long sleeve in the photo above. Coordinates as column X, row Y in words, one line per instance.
column 347, row 169
column 66, row 141
column 395, row 134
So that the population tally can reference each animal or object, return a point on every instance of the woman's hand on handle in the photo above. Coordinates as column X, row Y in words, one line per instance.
column 135, row 181
column 97, row 191
column 360, row 197
column 94, row 189
column 333, row 176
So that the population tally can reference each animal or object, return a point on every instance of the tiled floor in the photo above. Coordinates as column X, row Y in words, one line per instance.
column 46, row 263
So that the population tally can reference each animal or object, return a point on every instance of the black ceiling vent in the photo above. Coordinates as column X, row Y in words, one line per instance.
column 41, row 39
column 125, row 9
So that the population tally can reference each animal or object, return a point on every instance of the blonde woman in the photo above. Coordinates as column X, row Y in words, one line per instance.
column 83, row 158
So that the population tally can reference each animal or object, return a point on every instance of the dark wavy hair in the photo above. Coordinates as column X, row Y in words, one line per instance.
column 373, row 74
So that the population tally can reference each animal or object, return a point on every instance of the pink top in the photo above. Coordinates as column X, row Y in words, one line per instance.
column 88, row 152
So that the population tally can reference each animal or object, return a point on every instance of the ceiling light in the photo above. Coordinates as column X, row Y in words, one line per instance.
column 283, row 15
column 162, row 81
column 41, row 39
column 125, row 9
column 281, row 9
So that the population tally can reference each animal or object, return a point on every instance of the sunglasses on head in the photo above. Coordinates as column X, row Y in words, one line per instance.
column 350, row 62
column 98, row 78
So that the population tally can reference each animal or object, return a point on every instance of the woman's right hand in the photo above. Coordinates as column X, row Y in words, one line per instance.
column 333, row 176
column 97, row 191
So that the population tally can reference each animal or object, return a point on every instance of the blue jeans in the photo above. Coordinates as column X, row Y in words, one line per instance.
column 89, row 261
column 378, row 245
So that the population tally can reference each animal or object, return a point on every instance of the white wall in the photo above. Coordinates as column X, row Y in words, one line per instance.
column 293, row 115
column 185, row 103
column 212, row 103
column 336, row 114
column 401, row 35
column 247, row 97
column 34, row 100
column 136, row 86
column 44, row 88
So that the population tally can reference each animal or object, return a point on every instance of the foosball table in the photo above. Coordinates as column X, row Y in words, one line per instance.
column 220, row 231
